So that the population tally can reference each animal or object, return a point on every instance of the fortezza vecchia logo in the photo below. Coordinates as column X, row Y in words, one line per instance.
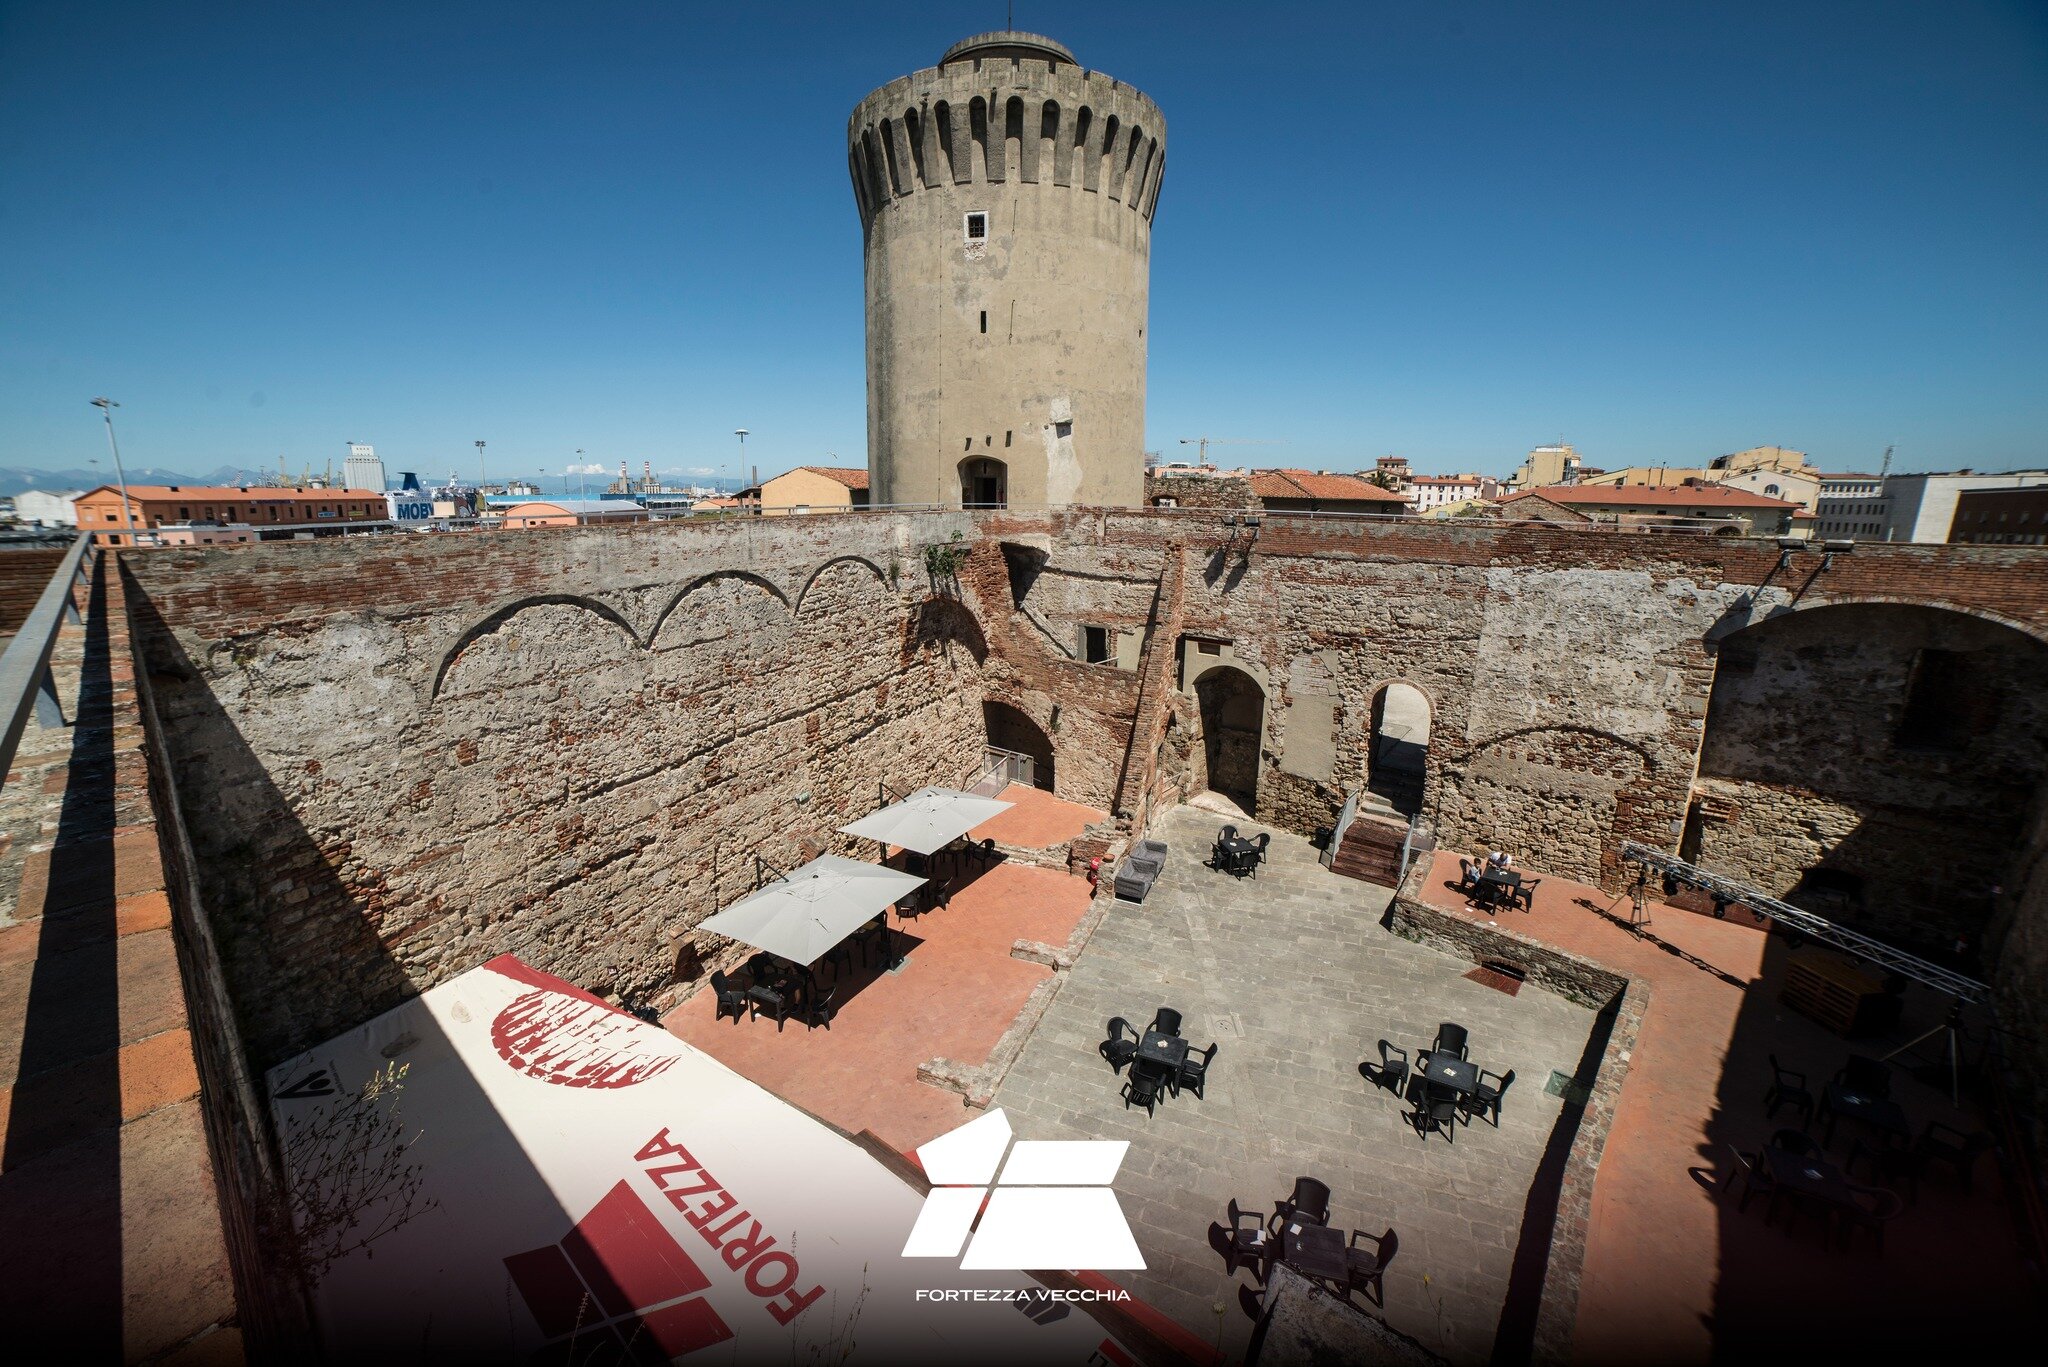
column 1049, row 1206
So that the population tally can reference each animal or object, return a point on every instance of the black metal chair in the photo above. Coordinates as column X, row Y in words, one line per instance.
column 1309, row 1203
column 1393, row 1068
column 1365, row 1267
column 1166, row 1021
column 1865, row 1077
column 1219, row 853
column 1787, row 1089
column 1248, row 1245
column 1450, row 1039
column 1256, row 855
column 1118, row 1050
column 1142, row 1089
column 1486, row 1097
column 1194, row 1071
column 731, row 996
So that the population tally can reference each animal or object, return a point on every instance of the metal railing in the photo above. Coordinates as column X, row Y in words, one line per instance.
column 25, row 682
column 999, row 769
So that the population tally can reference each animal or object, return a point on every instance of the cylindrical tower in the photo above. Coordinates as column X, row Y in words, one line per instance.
column 1006, row 199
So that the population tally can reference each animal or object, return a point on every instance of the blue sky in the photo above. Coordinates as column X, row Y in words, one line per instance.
column 1451, row 231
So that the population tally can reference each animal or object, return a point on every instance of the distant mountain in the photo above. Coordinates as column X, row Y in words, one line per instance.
column 13, row 481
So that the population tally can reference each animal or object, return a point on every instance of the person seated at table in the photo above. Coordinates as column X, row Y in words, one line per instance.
column 1500, row 859
column 1468, row 873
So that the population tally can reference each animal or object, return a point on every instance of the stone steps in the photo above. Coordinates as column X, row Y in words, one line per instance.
column 1371, row 848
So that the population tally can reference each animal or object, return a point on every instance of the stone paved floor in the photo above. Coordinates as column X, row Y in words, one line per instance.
column 1292, row 975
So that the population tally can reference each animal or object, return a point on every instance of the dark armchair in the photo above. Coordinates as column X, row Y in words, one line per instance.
column 1450, row 1039
column 1946, row 1144
column 1787, row 1089
column 1486, row 1097
column 1436, row 1109
column 1365, row 1267
column 1142, row 1089
column 1166, row 1021
column 1310, row 1202
column 1118, row 1049
column 1524, row 895
column 731, row 997
column 1194, row 1070
column 1249, row 1245
column 1393, row 1068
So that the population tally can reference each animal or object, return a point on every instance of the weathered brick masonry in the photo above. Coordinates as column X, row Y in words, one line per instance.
column 416, row 753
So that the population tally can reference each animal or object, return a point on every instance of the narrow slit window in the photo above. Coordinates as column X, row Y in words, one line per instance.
column 977, row 227
column 984, row 322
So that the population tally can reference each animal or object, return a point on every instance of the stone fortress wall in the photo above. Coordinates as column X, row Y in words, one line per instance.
column 1025, row 346
column 418, row 753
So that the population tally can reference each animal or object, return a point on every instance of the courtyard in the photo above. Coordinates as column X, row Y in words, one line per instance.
column 1293, row 977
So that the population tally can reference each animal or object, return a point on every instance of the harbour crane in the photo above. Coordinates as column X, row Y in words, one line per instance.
column 1202, row 445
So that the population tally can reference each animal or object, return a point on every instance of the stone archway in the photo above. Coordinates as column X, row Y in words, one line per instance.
column 1397, row 748
column 1010, row 728
column 1233, row 709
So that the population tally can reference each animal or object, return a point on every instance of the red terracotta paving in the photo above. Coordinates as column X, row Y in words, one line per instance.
column 957, row 993
column 1673, row 1276
column 1038, row 821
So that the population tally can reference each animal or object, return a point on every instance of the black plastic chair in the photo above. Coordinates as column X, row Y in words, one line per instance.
column 1141, row 1090
column 1524, row 894
column 822, row 1007
column 1194, row 1070
column 1450, row 1039
column 1309, row 1203
column 731, row 997
column 1166, row 1021
column 1118, row 1050
column 1750, row 1171
column 1865, row 1077
column 1870, row 1208
column 1436, row 1109
column 1256, row 855
column 1393, row 1067
column 1248, row 1245
column 1787, row 1089
column 1485, row 1098
column 1364, row 1268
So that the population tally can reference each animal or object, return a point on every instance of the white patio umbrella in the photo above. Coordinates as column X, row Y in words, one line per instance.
column 929, row 819
column 802, row 916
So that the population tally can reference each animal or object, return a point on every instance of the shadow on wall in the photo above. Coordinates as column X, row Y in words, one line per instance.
column 337, row 1143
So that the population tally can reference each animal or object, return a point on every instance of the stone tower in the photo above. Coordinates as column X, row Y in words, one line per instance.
column 1006, row 199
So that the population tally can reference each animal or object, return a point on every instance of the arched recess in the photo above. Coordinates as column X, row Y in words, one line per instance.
column 804, row 593
column 1875, row 762
column 704, row 580
column 948, row 167
column 1009, row 727
column 1233, row 710
column 1397, row 746
column 499, row 618
column 984, row 483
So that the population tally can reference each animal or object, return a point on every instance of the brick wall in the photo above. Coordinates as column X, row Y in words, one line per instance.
column 24, row 574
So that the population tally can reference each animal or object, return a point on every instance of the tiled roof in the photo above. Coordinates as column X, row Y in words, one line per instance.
column 228, row 492
column 851, row 478
column 1645, row 496
column 1326, row 488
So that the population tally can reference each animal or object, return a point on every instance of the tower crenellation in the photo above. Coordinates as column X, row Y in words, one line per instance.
column 1006, row 198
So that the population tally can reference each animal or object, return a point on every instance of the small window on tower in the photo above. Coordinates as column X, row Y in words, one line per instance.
column 977, row 227
column 1096, row 646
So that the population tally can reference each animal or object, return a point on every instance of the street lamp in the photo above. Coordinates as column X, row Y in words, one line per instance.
column 479, row 469
column 741, row 433
column 106, row 407
column 582, row 489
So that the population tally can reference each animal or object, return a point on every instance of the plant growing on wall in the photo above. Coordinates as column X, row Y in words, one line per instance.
column 942, row 562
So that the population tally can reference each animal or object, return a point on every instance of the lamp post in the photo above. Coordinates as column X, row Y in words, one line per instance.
column 106, row 407
column 582, row 488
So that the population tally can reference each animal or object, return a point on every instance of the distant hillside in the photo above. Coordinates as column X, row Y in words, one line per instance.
column 14, row 481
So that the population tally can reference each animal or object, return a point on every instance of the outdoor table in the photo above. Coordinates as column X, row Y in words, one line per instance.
column 1235, row 849
column 1163, row 1051
column 1815, row 1178
column 1445, row 1070
column 1878, row 1112
column 1314, row 1250
column 1496, row 885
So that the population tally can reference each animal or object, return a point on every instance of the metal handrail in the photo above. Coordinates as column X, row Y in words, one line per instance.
column 25, row 681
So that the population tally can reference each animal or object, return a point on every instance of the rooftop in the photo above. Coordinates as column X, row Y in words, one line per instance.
column 1318, row 485
column 853, row 477
column 1007, row 43
column 1661, row 496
